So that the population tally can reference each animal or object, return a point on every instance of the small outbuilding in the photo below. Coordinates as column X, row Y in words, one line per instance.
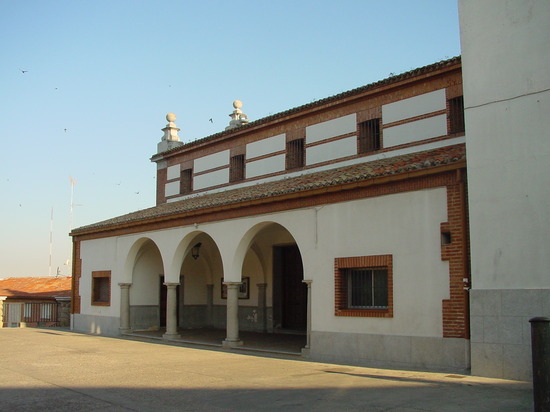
column 35, row 301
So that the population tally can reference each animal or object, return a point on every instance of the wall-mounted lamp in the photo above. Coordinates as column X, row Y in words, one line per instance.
column 195, row 250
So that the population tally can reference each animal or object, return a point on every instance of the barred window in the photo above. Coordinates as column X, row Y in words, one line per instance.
column 456, row 115
column 369, row 136
column 364, row 286
column 295, row 154
column 186, row 181
column 367, row 288
column 236, row 168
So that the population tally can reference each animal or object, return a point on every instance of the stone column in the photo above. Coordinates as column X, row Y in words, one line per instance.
column 171, row 312
column 210, row 305
column 232, row 327
column 125, row 307
column 305, row 350
column 262, row 306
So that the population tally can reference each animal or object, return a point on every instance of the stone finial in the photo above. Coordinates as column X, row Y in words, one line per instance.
column 238, row 118
column 170, row 138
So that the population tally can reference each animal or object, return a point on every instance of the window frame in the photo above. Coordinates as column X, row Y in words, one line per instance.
column 98, row 278
column 456, row 115
column 295, row 154
column 186, row 181
column 342, row 267
column 369, row 135
column 237, row 168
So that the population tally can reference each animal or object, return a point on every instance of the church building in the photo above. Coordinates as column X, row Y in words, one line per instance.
column 343, row 220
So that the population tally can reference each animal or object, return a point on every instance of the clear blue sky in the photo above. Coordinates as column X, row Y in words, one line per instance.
column 101, row 76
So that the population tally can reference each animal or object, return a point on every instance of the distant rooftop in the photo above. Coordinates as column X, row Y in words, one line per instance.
column 36, row 287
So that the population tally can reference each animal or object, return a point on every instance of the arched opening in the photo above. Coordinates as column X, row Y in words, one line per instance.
column 146, row 311
column 201, row 276
column 273, row 267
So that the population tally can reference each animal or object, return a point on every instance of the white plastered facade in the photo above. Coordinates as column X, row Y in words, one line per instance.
column 404, row 225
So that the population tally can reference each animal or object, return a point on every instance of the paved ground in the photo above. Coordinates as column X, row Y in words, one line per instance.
column 57, row 370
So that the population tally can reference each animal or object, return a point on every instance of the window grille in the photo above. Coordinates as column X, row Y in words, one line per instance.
column 186, row 181
column 367, row 288
column 236, row 168
column 456, row 115
column 295, row 154
column 369, row 136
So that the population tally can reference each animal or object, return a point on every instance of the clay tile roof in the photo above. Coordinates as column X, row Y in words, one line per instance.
column 36, row 287
column 329, row 178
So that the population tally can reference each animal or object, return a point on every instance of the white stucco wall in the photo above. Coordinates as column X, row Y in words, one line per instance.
column 405, row 225
column 265, row 166
column 331, row 128
column 505, row 61
column 414, row 106
column 211, row 161
column 173, row 172
column 266, row 146
column 217, row 177
column 413, row 131
column 103, row 254
column 506, row 58
column 332, row 150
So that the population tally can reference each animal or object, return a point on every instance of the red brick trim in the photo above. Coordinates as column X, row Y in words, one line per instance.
column 415, row 118
column 340, row 294
column 456, row 252
column 77, row 273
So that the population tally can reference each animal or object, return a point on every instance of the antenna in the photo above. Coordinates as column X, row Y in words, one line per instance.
column 51, row 243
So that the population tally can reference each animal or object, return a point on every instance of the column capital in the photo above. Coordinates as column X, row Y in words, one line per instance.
column 171, row 284
column 261, row 285
column 124, row 285
column 308, row 282
column 232, row 284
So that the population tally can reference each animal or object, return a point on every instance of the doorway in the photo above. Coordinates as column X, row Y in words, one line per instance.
column 289, row 292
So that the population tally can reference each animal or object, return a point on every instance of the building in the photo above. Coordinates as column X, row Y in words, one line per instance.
column 35, row 301
column 506, row 58
column 344, row 220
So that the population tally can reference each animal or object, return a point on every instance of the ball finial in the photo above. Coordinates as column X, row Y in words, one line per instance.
column 237, row 104
column 171, row 117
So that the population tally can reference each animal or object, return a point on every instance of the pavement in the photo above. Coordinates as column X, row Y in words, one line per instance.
column 58, row 370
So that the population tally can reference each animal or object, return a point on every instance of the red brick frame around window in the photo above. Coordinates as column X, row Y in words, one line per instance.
column 96, row 275
column 385, row 261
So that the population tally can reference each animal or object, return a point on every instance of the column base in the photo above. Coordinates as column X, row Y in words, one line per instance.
column 305, row 352
column 171, row 336
column 232, row 343
column 124, row 330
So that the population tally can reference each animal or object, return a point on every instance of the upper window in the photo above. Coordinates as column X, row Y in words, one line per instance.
column 186, row 181
column 101, row 288
column 456, row 115
column 364, row 286
column 369, row 136
column 295, row 154
column 236, row 168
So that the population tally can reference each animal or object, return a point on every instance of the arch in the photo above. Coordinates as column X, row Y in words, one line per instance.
column 234, row 274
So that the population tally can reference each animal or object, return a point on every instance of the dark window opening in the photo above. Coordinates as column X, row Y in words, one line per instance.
column 446, row 238
column 369, row 136
column 101, row 288
column 186, row 181
column 295, row 154
column 456, row 115
column 367, row 288
column 236, row 168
